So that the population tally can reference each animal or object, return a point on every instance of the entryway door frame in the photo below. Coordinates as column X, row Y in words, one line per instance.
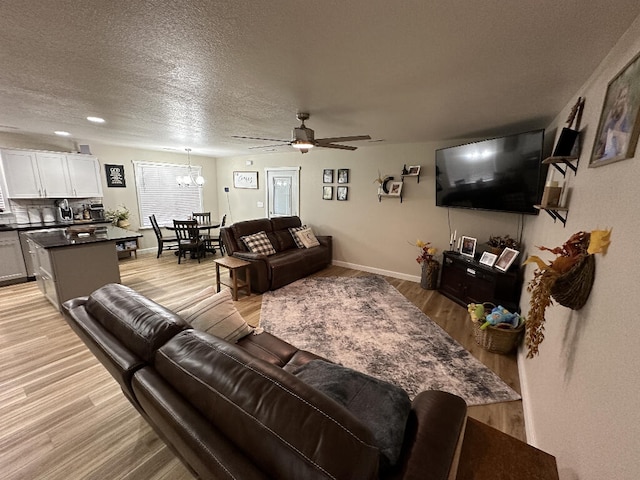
column 275, row 175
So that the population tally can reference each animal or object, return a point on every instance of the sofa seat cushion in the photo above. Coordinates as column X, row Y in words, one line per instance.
column 288, row 428
column 381, row 406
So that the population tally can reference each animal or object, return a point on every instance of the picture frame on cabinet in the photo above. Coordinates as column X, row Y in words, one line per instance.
column 488, row 259
column 468, row 246
column 619, row 125
column 327, row 193
column 506, row 258
column 327, row 175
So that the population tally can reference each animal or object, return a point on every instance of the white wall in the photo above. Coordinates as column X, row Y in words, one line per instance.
column 378, row 236
column 581, row 393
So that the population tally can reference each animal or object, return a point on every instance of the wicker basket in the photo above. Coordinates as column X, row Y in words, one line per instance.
column 572, row 289
column 494, row 339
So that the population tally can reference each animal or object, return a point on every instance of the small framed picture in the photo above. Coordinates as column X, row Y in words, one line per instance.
column 327, row 193
column 245, row 180
column 327, row 175
column 468, row 246
column 488, row 259
column 342, row 193
column 414, row 170
column 343, row 175
column 507, row 257
column 395, row 189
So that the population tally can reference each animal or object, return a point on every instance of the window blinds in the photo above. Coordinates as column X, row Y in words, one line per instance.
column 159, row 193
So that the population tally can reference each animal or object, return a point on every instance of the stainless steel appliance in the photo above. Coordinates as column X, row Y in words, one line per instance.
column 97, row 211
column 64, row 212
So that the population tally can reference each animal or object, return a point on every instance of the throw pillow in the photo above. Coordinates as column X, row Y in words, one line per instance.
column 381, row 406
column 218, row 316
column 307, row 238
column 293, row 231
column 259, row 243
column 193, row 299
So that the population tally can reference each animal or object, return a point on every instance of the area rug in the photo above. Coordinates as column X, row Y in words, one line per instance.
column 364, row 323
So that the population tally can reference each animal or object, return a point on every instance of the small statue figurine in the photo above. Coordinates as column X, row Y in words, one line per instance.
column 404, row 169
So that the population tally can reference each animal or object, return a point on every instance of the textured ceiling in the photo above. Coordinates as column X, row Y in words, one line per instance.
column 176, row 74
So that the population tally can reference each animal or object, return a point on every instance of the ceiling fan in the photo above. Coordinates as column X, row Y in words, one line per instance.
column 303, row 138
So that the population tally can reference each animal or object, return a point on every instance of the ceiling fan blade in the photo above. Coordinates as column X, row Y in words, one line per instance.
column 334, row 145
column 342, row 139
column 270, row 146
column 260, row 138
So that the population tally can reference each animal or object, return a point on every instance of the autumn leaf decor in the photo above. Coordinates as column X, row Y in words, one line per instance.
column 568, row 279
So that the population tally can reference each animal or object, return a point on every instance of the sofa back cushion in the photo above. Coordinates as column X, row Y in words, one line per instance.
column 287, row 427
column 140, row 324
column 249, row 227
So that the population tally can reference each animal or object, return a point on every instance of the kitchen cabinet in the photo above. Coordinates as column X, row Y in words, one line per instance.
column 35, row 174
column 12, row 266
column 466, row 281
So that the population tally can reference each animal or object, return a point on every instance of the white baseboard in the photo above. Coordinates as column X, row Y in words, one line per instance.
column 378, row 271
column 524, row 388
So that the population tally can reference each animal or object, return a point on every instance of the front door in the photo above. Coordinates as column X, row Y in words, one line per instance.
column 283, row 196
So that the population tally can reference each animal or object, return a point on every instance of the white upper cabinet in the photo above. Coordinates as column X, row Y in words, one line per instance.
column 30, row 174
column 85, row 175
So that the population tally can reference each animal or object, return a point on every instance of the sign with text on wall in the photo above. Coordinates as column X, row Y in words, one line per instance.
column 115, row 175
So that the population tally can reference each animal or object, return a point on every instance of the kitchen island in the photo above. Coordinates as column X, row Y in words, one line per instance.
column 69, row 264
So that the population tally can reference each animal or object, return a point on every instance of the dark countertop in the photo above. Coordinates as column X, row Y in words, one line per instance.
column 22, row 227
column 61, row 238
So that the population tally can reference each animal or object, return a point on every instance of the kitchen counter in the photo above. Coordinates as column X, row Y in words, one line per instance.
column 6, row 227
column 67, row 266
column 58, row 238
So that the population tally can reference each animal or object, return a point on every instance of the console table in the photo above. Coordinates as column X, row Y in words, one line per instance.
column 465, row 281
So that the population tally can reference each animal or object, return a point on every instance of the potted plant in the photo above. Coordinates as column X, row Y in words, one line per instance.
column 430, row 266
column 119, row 216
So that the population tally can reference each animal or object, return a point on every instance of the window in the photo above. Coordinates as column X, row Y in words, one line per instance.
column 3, row 206
column 160, row 195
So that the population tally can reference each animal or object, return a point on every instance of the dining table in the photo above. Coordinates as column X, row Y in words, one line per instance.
column 201, row 227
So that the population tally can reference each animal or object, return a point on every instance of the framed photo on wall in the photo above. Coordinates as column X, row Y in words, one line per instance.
column 245, row 180
column 468, row 246
column 115, row 176
column 343, row 175
column 619, row 125
column 327, row 193
column 327, row 175
column 395, row 189
column 507, row 257
column 343, row 193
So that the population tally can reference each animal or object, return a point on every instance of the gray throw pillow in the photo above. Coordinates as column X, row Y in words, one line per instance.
column 381, row 406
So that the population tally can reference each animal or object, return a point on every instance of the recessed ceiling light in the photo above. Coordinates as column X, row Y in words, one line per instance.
column 95, row 119
column 62, row 133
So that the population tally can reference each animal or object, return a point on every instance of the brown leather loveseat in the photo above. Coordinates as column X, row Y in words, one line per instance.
column 237, row 411
column 288, row 264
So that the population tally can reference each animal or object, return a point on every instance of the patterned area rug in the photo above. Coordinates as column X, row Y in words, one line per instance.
column 364, row 323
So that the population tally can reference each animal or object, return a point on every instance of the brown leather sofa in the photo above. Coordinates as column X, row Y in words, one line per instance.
column 237, row 411
column 288, row 264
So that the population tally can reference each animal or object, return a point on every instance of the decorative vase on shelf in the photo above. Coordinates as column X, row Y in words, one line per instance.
column 429, row 278
column 123, row 223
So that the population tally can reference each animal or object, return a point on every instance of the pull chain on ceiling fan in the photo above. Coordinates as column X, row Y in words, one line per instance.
column 303, row 138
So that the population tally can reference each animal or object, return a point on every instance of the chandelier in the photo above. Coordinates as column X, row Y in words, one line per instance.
column 191, row 179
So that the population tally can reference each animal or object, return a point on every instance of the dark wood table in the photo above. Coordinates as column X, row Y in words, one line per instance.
column 201, row 227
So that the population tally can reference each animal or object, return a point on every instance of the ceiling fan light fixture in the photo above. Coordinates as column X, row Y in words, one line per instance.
column 301, row 144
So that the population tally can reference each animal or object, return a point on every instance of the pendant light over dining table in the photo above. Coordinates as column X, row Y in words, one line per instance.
column 190, row 180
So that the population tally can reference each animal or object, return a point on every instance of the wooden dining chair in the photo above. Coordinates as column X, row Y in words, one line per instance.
column 170, row 242
column 204, row 218
column 188, row 239
column 215, row 239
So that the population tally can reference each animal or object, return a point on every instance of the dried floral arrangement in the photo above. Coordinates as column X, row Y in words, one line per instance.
column 503, row 242
column 573, row 268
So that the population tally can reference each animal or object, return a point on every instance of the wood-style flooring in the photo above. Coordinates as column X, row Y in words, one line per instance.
column 62, row 416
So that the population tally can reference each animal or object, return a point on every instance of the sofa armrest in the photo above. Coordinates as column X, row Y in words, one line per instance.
column 260, row 275
column 250, row 256
column 326, row 241
column 434, row 430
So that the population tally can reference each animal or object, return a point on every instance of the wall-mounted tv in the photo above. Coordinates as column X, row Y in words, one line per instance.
column 503, row 174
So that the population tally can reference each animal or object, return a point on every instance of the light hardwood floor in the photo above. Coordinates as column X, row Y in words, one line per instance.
column 62, row 416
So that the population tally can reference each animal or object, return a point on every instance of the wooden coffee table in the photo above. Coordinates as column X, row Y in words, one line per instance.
column 234, row 265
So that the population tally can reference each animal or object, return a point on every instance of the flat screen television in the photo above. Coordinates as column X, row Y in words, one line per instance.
column 502, row 174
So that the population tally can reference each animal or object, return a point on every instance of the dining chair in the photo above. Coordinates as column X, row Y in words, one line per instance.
column 170, row 242
column 204, row 218
column 188, row 239
column 216, row 240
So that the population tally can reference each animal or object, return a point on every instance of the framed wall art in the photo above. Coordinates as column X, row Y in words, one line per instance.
column 115, row 176
column 343, row 175
column 327, row 193
column 245, row 179
column 619, row 125
column 343, row 193
column 327, row 175
column 395, row 189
